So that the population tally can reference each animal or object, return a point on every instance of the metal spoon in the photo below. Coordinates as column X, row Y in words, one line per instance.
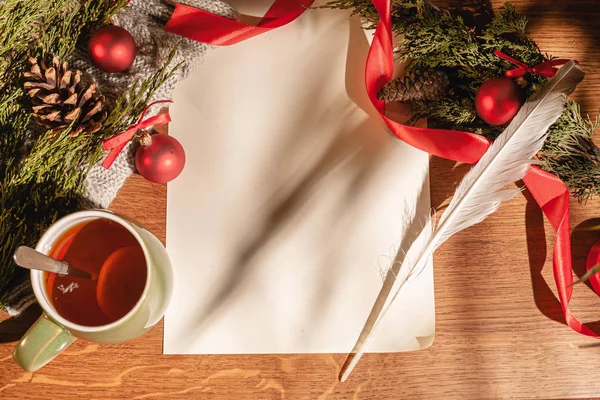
column 29, row 258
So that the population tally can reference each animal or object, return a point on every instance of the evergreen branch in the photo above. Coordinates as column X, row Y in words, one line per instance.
column 41, row 176
column 570, row 153
column 432, row 39
column 47, row 184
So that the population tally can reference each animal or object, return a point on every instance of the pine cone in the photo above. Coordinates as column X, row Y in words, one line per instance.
column 60, row 98
column 416, row 85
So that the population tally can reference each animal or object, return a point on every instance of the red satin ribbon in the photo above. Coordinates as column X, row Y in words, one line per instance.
column 593, row 259
column 549, row 191
column 546, row 69
column 117, row 143
column 203, row 26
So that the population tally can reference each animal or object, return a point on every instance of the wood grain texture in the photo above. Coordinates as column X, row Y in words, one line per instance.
column 498, row 325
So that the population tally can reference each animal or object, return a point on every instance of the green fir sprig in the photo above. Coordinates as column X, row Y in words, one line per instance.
column 432, row 38
column 41, row 175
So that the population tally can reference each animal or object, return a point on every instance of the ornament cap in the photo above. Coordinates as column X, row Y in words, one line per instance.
column 145, row 139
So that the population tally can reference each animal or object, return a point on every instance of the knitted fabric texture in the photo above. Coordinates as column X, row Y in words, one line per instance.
column 154, row 45
column 142, row 18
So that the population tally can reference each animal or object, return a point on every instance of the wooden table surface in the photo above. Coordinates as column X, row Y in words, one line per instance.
column 498, row 333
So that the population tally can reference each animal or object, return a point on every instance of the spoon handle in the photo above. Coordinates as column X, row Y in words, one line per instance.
column 29, row 258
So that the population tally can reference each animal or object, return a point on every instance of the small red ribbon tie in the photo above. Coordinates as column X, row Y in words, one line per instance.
column 546, row 69
column 117, row 143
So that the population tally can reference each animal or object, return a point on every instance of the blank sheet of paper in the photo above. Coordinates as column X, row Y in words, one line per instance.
column 292, row 200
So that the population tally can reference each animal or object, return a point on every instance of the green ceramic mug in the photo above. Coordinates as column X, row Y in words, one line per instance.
column 52, row 334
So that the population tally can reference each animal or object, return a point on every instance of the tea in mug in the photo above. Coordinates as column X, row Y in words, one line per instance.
column 114, row 258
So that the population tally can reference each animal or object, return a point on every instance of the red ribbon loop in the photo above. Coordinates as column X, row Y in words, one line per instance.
column 117, row 143
column 206, row 27
column 546, row 69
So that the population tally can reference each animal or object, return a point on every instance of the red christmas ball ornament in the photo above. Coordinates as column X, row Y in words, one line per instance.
column 498, row 100
column 112, row 49
column 160, row 158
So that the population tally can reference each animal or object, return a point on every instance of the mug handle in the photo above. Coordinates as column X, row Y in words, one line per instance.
column 41, row 344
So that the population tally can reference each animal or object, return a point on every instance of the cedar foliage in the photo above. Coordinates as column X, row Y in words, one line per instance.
column 459, row 44
column 41, row 173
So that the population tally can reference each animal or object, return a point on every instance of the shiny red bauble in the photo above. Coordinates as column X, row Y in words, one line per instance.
column 112, row 49
column 498, row 100
column 160, row 158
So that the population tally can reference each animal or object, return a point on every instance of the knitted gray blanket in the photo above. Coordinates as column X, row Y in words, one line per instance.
column 142, row 19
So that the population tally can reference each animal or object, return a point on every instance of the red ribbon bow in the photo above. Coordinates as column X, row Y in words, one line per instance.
column 117, row 143
column 546, row 69
column 549, row 191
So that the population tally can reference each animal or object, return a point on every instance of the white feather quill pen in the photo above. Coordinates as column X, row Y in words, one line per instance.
column 482, row 189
